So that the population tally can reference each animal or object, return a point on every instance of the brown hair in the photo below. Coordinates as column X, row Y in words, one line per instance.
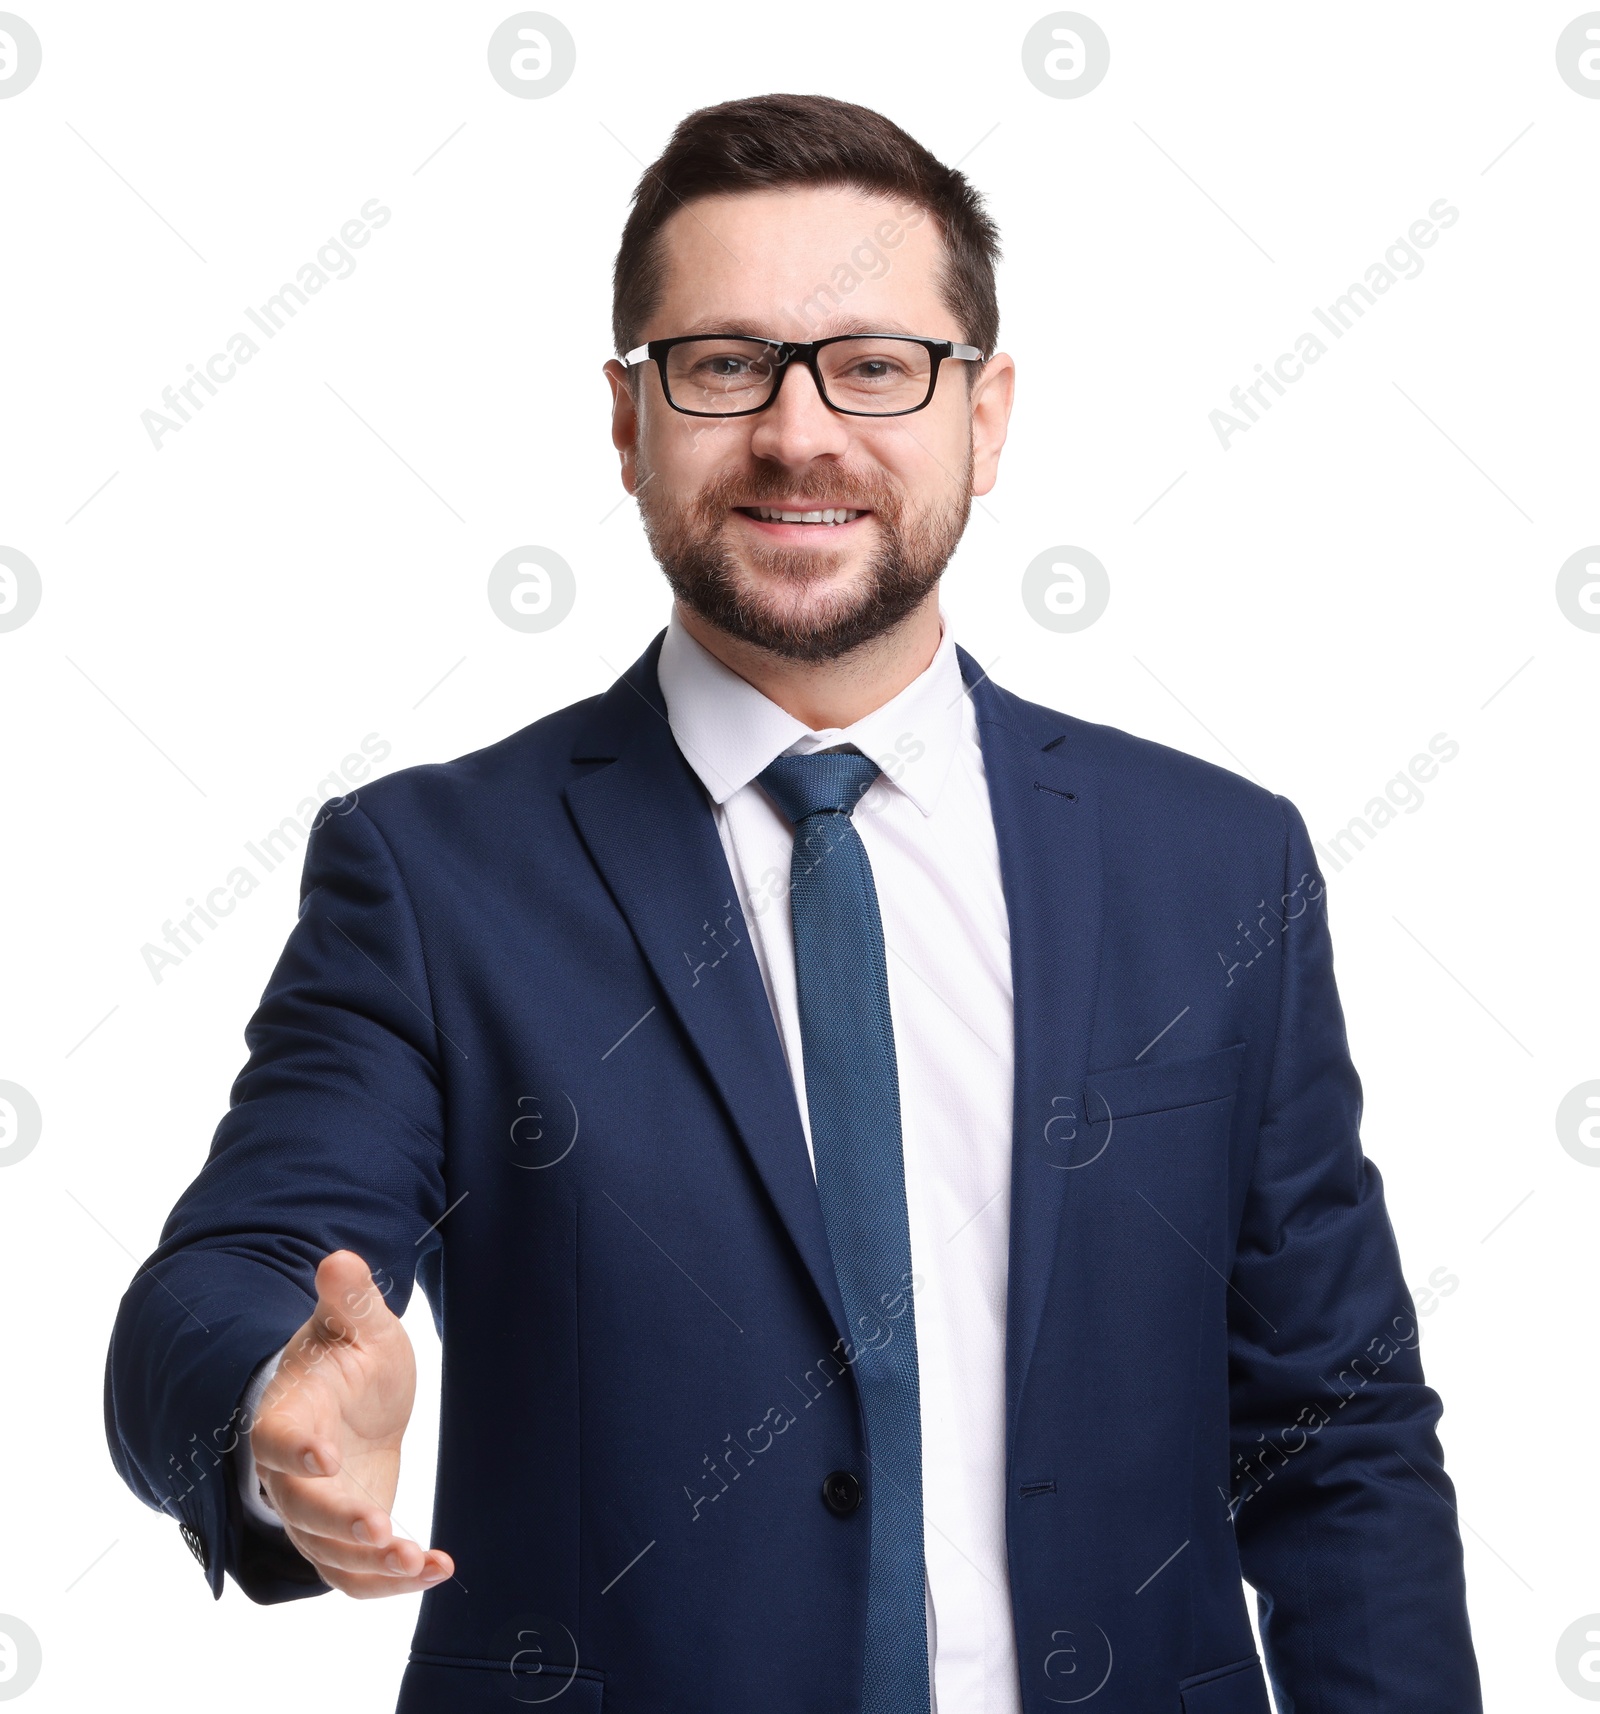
column 767, row 142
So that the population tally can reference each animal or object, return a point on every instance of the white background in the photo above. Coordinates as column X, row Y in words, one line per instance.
column 227, row 617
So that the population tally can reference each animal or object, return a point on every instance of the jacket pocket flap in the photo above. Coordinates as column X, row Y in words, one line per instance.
column 1236, row 1689
column 1130, row 1089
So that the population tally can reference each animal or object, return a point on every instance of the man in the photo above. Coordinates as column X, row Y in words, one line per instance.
column 882, row 1156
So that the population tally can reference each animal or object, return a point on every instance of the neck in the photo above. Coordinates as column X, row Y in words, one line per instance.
column 824, row 694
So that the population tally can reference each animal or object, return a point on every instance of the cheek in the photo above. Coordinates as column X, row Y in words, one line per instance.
column 928, row 458
column 906, row 463
column 935, row 491
column 690, row 454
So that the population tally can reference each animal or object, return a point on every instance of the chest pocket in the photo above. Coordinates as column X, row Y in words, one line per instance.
column 1160, row 1086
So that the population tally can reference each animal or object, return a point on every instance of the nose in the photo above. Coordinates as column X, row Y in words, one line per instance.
column 797, row 426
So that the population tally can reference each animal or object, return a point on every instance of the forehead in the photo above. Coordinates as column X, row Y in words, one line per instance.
column 801, row 263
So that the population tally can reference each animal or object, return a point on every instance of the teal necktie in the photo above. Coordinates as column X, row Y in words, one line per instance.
column 853, row 1099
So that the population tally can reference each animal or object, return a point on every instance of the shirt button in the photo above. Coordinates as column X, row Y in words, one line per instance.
column 841, row 1492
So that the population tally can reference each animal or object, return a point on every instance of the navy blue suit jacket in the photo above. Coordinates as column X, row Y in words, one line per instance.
column 518, row 1048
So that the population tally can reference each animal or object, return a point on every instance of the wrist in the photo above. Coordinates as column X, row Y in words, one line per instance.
column 257, row 1506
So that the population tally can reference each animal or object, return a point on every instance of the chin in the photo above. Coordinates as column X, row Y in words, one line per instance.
column 810, row 603
column 790, row 591
column 813, row 607
column 807, row 626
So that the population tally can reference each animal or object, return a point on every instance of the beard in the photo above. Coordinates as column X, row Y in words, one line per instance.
column 767, row 594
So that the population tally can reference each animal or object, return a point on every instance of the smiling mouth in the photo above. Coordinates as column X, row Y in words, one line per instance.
column 827, row 517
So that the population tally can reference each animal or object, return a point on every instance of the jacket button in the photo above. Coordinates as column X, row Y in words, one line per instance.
column 841, row 1492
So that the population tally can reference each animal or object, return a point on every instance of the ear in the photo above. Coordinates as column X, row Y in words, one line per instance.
column 992, row 397
column 624, row 422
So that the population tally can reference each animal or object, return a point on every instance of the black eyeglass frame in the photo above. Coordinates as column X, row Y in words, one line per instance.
column 806, row 350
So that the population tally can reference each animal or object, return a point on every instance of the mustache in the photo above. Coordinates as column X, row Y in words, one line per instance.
column 852, row 493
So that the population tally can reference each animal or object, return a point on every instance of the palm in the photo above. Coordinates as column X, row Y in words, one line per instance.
column 359, row 1401
column 327, row 1439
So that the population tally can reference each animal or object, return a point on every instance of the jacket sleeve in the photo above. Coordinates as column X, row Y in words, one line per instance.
column 333, row 1139
column 1344, row 1516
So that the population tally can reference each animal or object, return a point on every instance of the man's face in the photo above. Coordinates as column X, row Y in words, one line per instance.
column 774, row 264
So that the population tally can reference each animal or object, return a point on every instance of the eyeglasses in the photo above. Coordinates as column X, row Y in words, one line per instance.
column 858, row 375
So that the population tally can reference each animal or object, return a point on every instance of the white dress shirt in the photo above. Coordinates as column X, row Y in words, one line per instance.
column 929, row 836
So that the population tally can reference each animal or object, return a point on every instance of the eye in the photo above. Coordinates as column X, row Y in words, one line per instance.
column 722, row 367
column 878, row 366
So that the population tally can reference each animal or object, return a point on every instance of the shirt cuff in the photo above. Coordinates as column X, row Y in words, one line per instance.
column 257, row 1506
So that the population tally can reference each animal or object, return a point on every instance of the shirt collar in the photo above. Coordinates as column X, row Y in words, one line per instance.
column 729, row 731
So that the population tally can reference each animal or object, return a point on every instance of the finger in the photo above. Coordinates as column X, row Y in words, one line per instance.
column 365, row 1586
column 399, row 1558
column 350, row 1307
column 329, row 1506
column 289, row 1439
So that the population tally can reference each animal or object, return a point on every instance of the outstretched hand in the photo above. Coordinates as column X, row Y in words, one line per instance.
column 327, row 1438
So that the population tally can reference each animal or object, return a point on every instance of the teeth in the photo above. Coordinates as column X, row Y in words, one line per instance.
column 828, row 515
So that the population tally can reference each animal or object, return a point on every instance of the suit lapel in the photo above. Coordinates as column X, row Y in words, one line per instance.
column 1047, row 825
column 647, row 825
column 650, row 830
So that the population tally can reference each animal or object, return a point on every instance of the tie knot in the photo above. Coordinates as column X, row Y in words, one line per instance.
column 827, row 782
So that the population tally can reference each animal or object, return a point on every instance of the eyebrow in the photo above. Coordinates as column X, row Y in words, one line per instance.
column 743, row 325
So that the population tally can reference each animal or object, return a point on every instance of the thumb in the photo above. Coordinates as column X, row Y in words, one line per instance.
column 350, row 1308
